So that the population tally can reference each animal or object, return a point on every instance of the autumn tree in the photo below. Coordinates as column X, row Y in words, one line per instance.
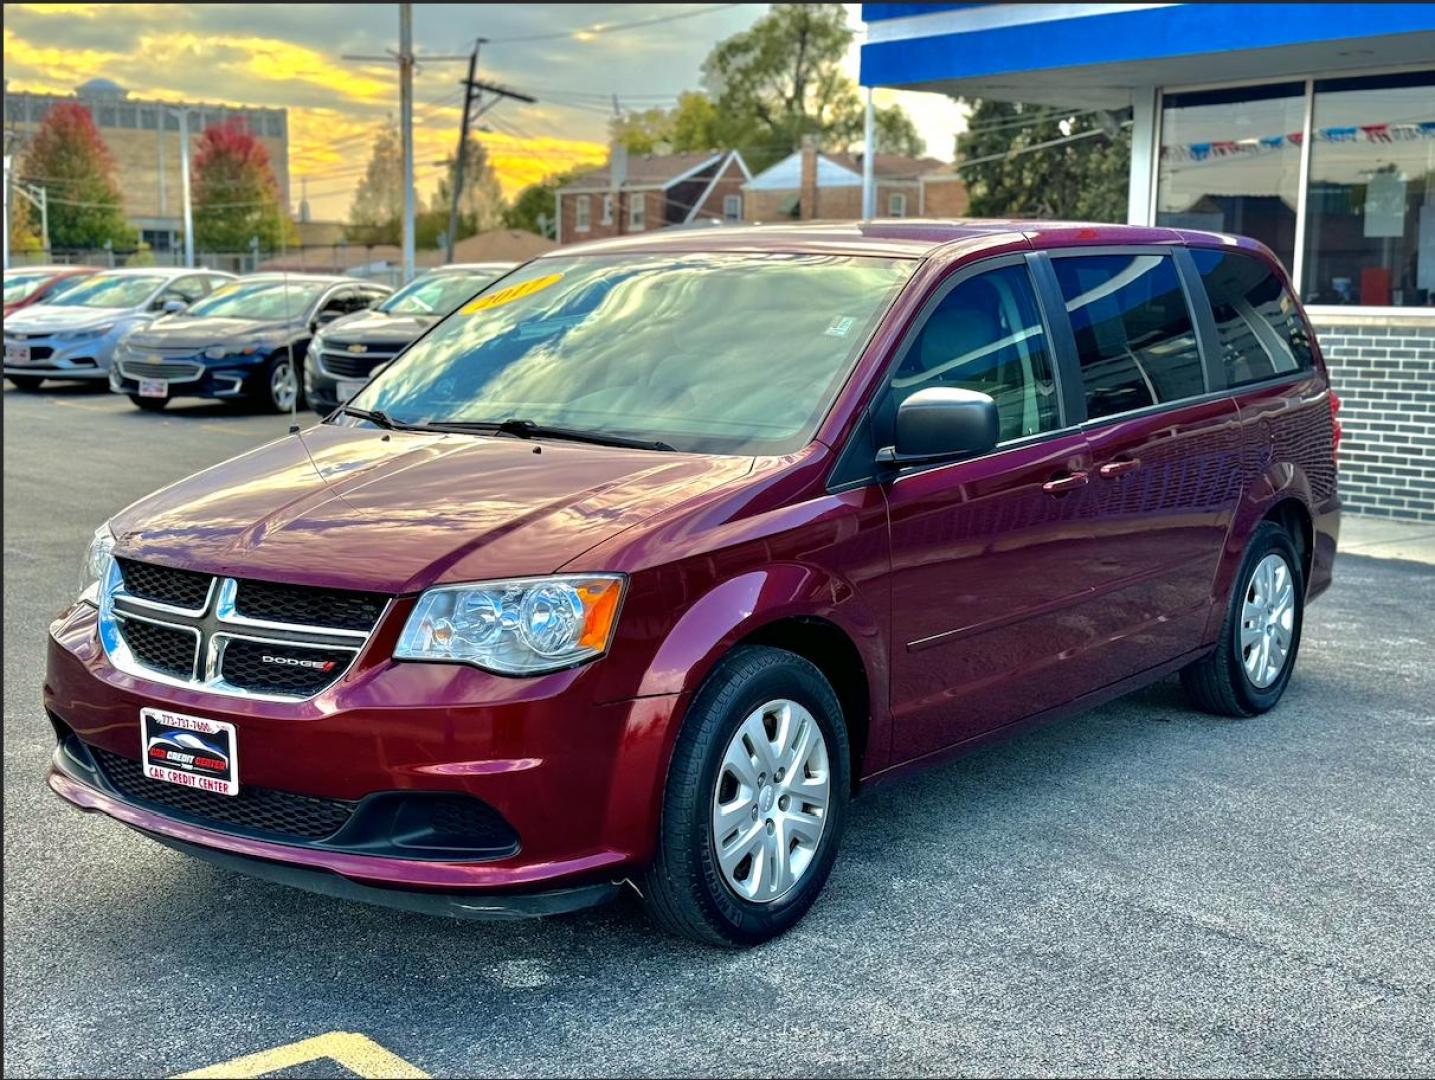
column 235, row 196
column 1011, row 172
column 70, row 161
column 535, row 208
column 376, row 214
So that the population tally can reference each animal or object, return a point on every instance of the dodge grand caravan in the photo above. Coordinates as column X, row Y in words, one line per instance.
column 643, row 561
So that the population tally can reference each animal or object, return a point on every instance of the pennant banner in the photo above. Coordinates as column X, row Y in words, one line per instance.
column 1370, row 133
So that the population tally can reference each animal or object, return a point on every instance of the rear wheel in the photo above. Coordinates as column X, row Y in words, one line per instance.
column 755, row 804
column 26, row 382
column 149, row 404
column 1253, row 659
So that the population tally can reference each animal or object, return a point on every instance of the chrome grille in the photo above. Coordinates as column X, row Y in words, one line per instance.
column 188, row 629
column 338, row 362
column 143, row 367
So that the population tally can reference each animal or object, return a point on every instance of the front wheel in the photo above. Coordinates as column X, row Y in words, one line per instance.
column 281, row 385
column 756, row 802
column 26, row 382
column 1252, row 662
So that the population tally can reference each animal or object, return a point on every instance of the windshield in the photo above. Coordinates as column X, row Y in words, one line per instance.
column 437, row 294
column 19, row 286
column 110, row 291
column 710, row 353
column 263, row 300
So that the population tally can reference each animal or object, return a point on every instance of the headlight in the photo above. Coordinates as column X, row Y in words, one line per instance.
column 96, row 567
column 316, row 346
column 219, row 352
column 522, row 627
column 86, row 334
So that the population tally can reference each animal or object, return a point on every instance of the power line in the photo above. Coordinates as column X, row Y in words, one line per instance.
column 600, row 28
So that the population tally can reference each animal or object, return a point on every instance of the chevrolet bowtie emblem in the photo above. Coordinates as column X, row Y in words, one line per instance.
column 356, row 347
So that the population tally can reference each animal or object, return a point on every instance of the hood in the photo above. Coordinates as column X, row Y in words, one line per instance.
column 377, row 327
column 349, row 508
column 181, row 331
column 49, row 318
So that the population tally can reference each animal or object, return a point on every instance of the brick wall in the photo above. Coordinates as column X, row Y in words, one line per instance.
column 1383, row 368
column 833, row 203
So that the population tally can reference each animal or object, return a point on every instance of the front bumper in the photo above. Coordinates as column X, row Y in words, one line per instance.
column 189, row 376
column 53, row 357
column 580, row 784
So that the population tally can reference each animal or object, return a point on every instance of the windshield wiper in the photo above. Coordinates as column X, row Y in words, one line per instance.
column 529, row 429
column 375, row 416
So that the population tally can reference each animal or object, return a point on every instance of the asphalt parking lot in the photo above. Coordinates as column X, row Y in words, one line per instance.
column 1144, row 890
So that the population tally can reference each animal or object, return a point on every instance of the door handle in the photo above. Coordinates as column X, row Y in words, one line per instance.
column 1113, row 469
column 1062, row 484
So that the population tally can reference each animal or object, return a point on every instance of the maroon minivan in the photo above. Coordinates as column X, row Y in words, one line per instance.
column 638, row 565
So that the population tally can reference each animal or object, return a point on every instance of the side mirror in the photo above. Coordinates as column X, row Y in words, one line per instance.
column 942, row 423
column 173, row 307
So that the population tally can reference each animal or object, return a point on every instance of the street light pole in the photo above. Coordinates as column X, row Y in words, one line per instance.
column 406, row 122
column 183, row 115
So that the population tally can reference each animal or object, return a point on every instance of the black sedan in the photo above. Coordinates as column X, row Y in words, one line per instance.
column 245, row 340
column 346, row 353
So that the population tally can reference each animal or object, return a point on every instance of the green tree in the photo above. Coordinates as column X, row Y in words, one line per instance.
column 768, row 86
column 480, row 208
column 535, row 208
column 236, row 198
column 1084, row 179
column 69, row 160
column 376, row 214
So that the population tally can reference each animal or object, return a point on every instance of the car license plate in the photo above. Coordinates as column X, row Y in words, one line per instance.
column 349, row 387
column 16, row 353
column 190, row 751
column 154, row 388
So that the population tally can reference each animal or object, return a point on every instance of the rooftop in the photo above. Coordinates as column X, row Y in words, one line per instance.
column 646, row 170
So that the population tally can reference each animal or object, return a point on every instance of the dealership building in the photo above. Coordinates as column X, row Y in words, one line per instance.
column 1310, row 127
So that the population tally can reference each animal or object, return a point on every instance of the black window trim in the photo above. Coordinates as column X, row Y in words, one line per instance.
column 865, row 474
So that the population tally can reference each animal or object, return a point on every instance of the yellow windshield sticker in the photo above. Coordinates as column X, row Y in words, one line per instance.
column 510, row 294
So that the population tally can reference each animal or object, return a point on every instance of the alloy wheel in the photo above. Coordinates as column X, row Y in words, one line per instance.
column 283, row 386
column 1267, row 621
column 769, row 804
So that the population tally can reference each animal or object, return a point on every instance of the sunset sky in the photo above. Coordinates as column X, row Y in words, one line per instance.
column 573, row 58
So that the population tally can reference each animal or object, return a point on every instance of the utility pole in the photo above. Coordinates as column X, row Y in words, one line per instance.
column 183, row 115
column 406, row 123
column 473, row 91
column 6, row 195
column 39, row 198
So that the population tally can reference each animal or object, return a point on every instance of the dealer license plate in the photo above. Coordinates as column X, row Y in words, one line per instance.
column 349, row 387
column 154, row 388
column 16, row 353
column 190, row 751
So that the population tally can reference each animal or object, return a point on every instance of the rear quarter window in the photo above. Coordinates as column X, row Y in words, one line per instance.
column 1258, row 324
column 1134, row 335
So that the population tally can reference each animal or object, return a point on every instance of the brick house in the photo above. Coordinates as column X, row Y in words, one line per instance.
column 637, row 194
column 813, row 184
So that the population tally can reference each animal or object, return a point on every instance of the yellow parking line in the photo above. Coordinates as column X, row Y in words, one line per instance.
column 357, row 1053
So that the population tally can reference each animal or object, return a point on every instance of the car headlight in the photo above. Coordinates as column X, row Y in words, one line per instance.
column 98, row 557
column 219, row 352
column 316, row 346
column 86, row 334
column 523, row 627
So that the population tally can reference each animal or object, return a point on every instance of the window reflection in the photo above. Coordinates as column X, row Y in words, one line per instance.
column 1370, row 233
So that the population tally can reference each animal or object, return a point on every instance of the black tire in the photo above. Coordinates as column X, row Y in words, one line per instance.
column 149, row 404
column 1218, row 682
column 26, row 382
column 264, row 389
column 684, row 888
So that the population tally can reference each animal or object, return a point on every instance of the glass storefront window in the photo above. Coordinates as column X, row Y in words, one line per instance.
column 1230, row 162
column 1370, row 213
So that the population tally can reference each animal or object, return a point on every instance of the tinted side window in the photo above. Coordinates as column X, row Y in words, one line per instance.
column 1257, row 321
column 985, row 335
column 1133, row 331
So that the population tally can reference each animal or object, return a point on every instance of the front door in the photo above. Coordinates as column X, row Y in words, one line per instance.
column 989, row 556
